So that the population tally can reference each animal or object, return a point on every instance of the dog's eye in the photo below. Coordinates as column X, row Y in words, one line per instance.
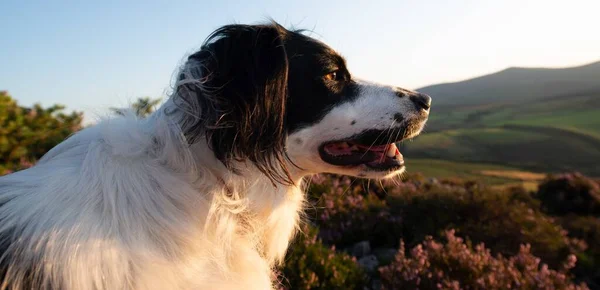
column 334, row 76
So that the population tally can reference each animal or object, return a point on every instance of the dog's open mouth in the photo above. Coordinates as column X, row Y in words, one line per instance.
column 350, row 153
column 375, row 149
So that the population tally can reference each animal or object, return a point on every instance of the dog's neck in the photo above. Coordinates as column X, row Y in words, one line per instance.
column 245, row 201
column 274, row 208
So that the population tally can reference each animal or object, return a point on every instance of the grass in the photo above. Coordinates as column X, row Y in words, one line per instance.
column 549, row 135
column 542, row 149
column 577, row 111
column 588, row 120
column 500, row 136
column 498, row 175
column 514, row 174
column 593, row 133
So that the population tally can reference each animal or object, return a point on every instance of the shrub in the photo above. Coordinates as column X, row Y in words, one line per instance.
column 348, row 213
column 28, row 133
column 142, row 107
column 586, row 228
column 311, row 265
column 458, row 265
column 570, row 193
column 501, row 219
column 576, row 200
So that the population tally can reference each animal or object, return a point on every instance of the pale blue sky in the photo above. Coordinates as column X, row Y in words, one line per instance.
column 91, row 55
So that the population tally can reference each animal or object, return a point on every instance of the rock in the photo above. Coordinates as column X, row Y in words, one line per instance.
column 385, row 255
column 369, row 263
column 361, row 249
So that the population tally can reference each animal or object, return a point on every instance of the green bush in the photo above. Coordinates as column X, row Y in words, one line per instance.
column 575, row 198
column 459, row 265
column 586, row 228
column 501, row 219
column 26, row 134
column 570, row 193
column 311, row 265
column 348, row 213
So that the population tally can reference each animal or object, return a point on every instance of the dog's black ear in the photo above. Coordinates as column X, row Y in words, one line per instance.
column 243, row 72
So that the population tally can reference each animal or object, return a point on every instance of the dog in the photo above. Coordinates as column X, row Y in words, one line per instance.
column 206, row 192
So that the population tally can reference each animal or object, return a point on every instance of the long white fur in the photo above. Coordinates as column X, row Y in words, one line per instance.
column 126, row 204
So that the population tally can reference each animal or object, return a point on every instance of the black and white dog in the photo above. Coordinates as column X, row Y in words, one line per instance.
column 206, row 192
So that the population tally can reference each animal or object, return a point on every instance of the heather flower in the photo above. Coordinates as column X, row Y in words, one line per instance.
column 458, row 265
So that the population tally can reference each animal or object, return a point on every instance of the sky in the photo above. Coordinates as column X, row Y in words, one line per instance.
column 92, row 55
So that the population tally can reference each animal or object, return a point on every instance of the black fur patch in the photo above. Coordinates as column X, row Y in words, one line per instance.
column 259, row 84
column 245, row 70
column 311, row 96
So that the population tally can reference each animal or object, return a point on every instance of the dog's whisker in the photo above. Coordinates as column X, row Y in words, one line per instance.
column 378, row 136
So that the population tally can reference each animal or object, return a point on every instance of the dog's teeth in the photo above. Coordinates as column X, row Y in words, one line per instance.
column 391, row 151
column 354, row 147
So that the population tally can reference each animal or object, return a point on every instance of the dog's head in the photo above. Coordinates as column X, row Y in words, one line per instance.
column 280, row 99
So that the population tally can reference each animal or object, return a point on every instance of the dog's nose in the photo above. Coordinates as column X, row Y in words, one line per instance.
column 422, row 101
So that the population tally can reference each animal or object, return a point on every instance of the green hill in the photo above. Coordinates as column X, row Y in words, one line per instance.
column 537, row 119
column 515, row 85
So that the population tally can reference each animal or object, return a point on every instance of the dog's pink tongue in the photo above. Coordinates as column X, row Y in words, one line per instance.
column 338, row 148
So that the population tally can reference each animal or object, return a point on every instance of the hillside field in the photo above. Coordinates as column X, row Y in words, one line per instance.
column 542, row 133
